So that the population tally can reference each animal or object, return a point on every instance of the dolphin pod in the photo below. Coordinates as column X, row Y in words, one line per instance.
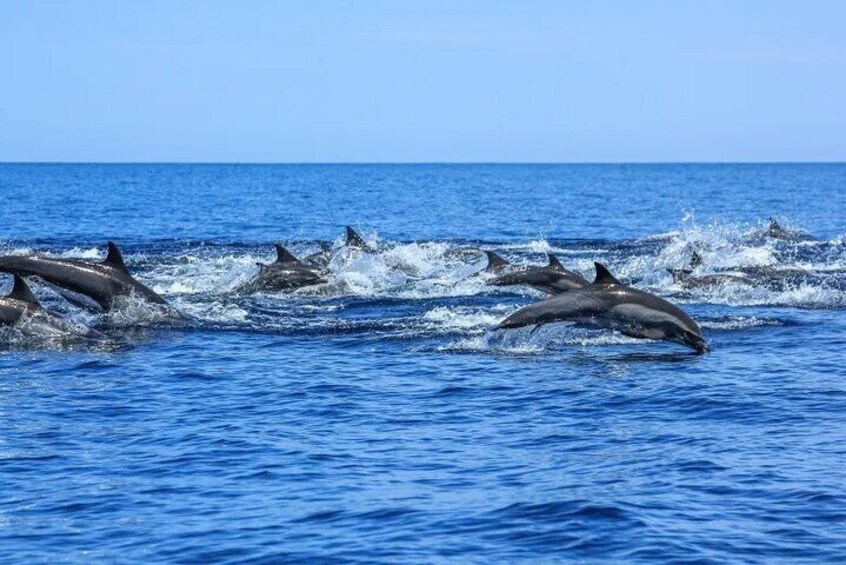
column 603, row 303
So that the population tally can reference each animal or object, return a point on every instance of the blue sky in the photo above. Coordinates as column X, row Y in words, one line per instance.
column 427, row 81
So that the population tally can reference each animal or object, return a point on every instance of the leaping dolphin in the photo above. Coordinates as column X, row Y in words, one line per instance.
column 553, row 278
column 91, row 285
column 608, row 303
column 286, row 273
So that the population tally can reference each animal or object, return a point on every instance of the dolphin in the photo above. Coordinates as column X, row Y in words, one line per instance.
column 91, row 285
column 771, row 276
column 320, row 258
column 608, row 303
column 21, row 303
column 286, row 273
column 686, row 279
column 18, row 303
column 553, row 278
column 776, row 231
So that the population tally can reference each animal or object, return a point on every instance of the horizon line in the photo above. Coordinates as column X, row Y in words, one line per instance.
column 272, row 163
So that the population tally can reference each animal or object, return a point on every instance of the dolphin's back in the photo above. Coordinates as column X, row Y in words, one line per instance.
column 101, row 282
column 639, row 305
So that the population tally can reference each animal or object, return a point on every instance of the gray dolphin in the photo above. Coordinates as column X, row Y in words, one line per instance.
column 286, row 273
column 686, row 279
column 21, row 302
column 91, row 285
column 553, row 278
column 776, row 231
column 608, row 303
column 18, row 303
column 772, row 276
column 320, row 258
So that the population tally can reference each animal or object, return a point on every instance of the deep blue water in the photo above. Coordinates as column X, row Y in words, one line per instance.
column 381, row 419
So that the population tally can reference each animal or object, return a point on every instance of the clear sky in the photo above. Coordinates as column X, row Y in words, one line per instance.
column 424, row 81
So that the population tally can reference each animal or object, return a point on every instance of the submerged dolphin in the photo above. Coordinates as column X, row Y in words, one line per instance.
column 686, row 279
column 286, row 273
column 91, row 285
column 553, row 278
column 320, row 258
column 770, row 276
column 684, row 276
column 608, row 303
column 324, row 256
column 18, row 303
column 21, row 303
column 776, row 231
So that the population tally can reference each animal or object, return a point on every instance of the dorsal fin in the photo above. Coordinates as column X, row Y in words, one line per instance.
column 325, row 246
column 554, row 263
column 284, row 256
column 355, row 240
column 495, row 262
column 603, row 275
column 774, row 225
column 696, row 259
column 114, row 258
column 21, row 291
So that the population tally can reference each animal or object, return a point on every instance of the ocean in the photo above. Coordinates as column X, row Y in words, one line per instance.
column 380, row 418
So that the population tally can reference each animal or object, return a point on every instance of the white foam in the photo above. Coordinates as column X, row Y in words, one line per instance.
column 465, row 318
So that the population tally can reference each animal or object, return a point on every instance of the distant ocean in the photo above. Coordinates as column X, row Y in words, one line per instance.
column 381, row 418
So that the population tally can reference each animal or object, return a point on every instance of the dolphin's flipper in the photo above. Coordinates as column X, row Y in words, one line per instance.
column 603, row 275
column 696, row 259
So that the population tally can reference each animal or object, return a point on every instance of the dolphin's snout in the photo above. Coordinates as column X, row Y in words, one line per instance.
column 696, row 342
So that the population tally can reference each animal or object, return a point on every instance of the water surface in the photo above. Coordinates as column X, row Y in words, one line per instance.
column 381, row 419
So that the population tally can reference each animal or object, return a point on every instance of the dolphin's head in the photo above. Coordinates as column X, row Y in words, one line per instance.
column 693, row 340
column 679, row 274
